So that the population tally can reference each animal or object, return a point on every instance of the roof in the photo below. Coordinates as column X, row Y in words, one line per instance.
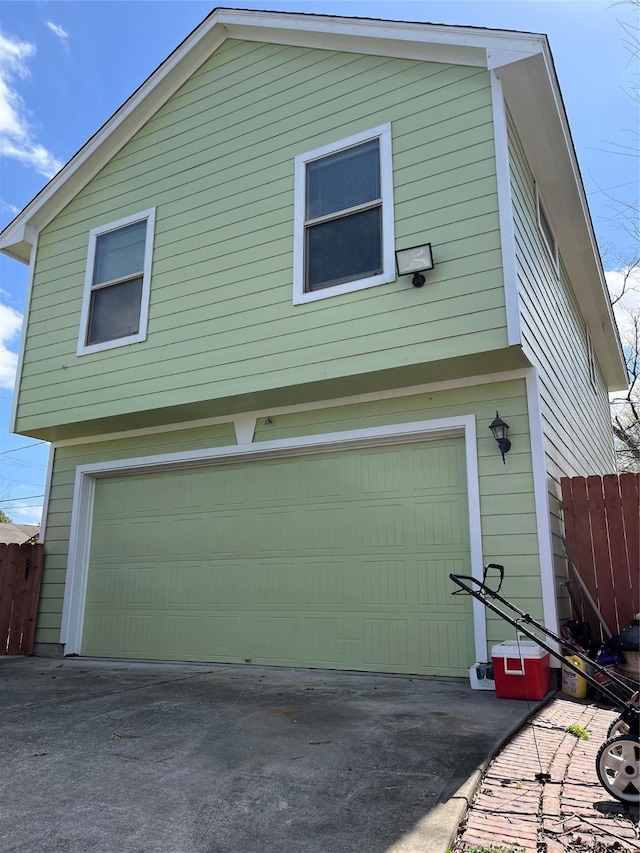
column 521, row 61
column 18, row 533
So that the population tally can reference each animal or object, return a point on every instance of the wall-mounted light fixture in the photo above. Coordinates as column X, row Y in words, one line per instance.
column 500, row 432
column 416, row 260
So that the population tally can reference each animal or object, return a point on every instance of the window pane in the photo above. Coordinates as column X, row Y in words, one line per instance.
column 120, row 253
column 546, row 230
column 344, row 249
column 115, row 312
column 343, row 180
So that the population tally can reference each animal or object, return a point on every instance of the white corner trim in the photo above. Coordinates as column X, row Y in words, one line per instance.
column 23, row 336
column 245, row 427
column 505, row 210
column 475, row 539
column 85, row 480
column 47, row 492
column 75, row 588
column 543, row 509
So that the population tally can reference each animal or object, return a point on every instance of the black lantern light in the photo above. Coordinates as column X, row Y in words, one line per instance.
column 500, row 432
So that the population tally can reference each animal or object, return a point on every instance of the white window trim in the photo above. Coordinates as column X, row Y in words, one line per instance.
column 141, row 334
column 463, row 426
column 383, row 133
column 552, row 250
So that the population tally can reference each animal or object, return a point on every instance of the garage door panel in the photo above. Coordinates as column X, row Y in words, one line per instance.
column 437, row 468
column 227, row 583
column 228, row 534
column 275, row 639
column 325, row 478
column 279, row 531
column 324, row 640
column 186, row 584
column 383, row 473
column 443, row 642
column 439, row 522
column 276, row 584
column 386, row 642
column 337, row 560
column 384, row 582
column 434, row 585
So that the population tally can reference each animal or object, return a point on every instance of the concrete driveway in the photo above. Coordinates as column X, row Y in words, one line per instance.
column 120, row 757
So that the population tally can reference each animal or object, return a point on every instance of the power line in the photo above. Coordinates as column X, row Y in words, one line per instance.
column 16, row 500
column 23, row 447
column 22, row 482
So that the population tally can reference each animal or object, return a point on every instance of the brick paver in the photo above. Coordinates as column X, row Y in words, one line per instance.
column 570, row 812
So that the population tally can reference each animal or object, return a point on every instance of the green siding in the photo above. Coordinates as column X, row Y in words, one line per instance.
column 506, row 491
column 217, row 162
column 575, row 414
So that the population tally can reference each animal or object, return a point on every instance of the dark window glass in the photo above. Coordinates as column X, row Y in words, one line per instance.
column 546, row 230
column 343, row 180
column 115, row 311
column 344, row 249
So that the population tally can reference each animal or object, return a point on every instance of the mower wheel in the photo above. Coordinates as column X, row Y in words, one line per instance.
column 618, row 768
column 618, row 727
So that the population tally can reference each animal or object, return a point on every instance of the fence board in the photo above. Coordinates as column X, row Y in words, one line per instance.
column 20, row 579
column 7, row 582
column 601, row 556
column 617, row 544
column 630, row 493
column 602, row 528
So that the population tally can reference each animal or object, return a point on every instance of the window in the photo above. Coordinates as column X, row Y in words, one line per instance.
column 547, row 233
column 591, row 360
column 343, row 237
column 116, row 293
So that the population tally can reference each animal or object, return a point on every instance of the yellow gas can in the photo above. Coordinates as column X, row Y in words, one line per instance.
column 574, row 684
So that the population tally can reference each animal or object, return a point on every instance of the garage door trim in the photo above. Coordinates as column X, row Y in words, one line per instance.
column 84, row 491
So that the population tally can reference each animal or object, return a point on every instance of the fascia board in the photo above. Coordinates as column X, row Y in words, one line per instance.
column 114, row 134
column 534, row 100
column 439, row 43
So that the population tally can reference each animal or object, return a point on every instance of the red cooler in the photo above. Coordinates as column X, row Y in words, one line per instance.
column 521, row 670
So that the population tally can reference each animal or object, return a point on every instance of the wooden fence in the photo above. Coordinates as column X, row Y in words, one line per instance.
column 602, row 528
column 20, row 576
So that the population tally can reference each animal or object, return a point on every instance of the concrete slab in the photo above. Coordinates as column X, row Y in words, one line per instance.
column 115, row 756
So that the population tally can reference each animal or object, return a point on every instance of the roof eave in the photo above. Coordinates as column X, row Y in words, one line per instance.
column 435, row 42
column 534, row 100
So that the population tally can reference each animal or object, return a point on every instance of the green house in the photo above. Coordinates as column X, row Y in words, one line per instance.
column 275, row 304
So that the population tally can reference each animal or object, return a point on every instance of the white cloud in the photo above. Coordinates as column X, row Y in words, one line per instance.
column 23, row 514
column 10, row 324
column 16, row 137
column 5, row 207
column 629, row 304
column 57, row 30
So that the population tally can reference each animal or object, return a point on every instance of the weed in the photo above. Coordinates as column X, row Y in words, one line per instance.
column 578, row 731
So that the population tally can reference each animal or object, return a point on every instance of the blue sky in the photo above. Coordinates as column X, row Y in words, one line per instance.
column 65, row 67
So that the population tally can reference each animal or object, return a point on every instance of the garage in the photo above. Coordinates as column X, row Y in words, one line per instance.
column 337, row 559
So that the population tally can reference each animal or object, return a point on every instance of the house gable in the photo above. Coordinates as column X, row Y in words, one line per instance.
column 89, row 183
column 217, row 164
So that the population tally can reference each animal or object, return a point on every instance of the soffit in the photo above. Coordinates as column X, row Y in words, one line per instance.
column 535, row 103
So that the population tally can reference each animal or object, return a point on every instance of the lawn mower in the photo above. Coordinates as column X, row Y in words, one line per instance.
column 618, row 759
